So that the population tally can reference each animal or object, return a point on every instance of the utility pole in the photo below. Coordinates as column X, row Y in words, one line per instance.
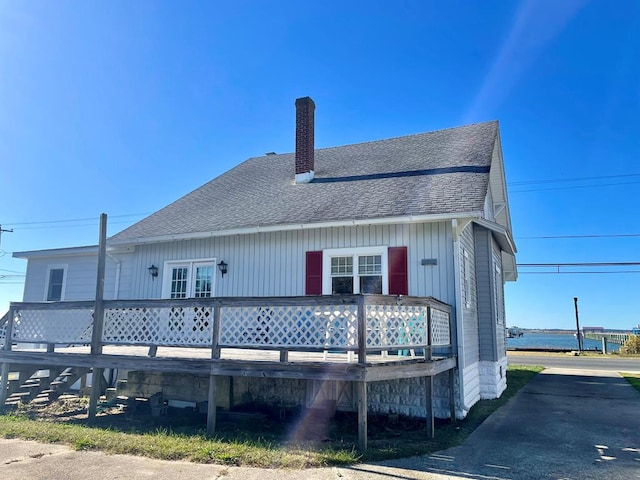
column 578, row 334
column 4, row 230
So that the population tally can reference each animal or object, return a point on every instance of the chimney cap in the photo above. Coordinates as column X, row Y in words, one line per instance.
column 303, row 100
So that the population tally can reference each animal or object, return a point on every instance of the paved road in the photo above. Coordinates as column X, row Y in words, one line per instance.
column 564, row 424
column 601, row 363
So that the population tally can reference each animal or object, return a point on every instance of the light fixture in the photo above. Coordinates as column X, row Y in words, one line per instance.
column 222, row 267
column 153, row 270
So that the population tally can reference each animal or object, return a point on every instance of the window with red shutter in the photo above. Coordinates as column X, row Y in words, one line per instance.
column 313, row 276
column 398, row 271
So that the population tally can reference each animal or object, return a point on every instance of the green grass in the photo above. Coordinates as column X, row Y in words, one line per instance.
column 633, row 379
column 267, row 447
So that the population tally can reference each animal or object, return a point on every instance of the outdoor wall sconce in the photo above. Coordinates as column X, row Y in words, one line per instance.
column 153, row 270
column 222, row 267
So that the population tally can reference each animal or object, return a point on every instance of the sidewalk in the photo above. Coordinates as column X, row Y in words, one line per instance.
column 564, row 424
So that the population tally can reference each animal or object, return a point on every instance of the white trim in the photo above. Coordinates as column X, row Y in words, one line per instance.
column 458, row 313
column 305, row 177
column 60, row 266
column 298, row 226
column 466, row 277
column 189, row 263
column 116, row 288
column 354, row 252
column 71, row 251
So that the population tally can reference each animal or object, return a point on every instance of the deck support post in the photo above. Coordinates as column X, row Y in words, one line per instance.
column 98, row 319
column 211, row 406
column 452, row 394
column 431, row 428
column 6, row 366
column 215, row 355
column 361, row 390
column 362, row 331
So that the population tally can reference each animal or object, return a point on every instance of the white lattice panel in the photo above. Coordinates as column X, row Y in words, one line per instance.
column 440, row 330
column 71, row 325
column 289, row 326
column 168, row 326
column 391, row 326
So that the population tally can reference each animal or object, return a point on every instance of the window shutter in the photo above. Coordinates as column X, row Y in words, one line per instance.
column 398, row 271
column 313, row 280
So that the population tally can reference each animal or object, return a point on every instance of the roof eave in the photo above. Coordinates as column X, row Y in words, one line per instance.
column 295, row 226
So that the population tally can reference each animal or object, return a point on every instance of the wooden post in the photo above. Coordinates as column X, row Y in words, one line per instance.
column 215, row 355
column 211, row 405
column 578, row 334
column 6, row 366
column 604, row 345
column 362, row 332
column 431, row 428
column 428, row 351
column 361, row 389
column 98, row 318
column 452, row 395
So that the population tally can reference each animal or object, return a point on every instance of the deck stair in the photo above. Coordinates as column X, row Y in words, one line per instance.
column 42, row 386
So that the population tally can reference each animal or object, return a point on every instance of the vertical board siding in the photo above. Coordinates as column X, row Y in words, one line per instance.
column 486, row 314
column 470, row 313
column 273, row 264
column 501, row 325
column 79, row 282
column 262, row 264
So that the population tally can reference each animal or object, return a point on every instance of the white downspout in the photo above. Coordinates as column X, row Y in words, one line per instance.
column 118, row 263
column 459, row 315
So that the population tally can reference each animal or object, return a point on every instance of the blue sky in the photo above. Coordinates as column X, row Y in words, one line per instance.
column 122, row 107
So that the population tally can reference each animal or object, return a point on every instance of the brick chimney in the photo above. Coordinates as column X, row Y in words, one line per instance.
column 305, row 109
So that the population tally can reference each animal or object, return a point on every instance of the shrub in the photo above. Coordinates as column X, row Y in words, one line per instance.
column 631, row 346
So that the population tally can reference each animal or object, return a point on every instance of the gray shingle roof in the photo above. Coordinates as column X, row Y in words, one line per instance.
column 386, row 178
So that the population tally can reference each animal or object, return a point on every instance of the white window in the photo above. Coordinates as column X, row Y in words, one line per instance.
column 356, row 270
column 188, row 279
column 55, row 286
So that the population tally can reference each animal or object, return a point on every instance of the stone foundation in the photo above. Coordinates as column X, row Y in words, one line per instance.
column 402, row 396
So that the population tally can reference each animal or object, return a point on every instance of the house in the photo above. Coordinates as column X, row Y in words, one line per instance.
column 422, row 216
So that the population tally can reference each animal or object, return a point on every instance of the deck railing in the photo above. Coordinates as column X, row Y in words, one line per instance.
column 346, row 323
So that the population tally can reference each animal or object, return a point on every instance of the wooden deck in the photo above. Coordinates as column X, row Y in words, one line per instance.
column 311, row 366
column 359, row 339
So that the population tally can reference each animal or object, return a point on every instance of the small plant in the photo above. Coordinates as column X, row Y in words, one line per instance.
column 631, row 346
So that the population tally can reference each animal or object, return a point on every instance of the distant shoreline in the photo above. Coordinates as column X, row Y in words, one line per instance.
column 567, row 332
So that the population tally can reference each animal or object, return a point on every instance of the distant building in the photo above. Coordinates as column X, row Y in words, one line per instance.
column 592, row 329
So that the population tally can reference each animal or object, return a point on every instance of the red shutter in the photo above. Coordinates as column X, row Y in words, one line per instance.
column 398, row 271
column 313, row 279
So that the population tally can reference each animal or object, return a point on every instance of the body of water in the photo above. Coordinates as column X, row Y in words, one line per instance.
column 556, row 340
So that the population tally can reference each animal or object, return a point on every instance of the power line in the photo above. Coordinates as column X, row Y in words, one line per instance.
column 580, row 264
column 571, row 187
column 580, row 272
column 69, row 220
column 596, row 235
column 575, row 179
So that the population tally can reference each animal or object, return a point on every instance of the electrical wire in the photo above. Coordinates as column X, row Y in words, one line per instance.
column 596, row 235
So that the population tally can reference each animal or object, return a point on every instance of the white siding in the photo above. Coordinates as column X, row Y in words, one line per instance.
column 500, row 307
column 272, row 264
column 469, row 307
column 80, row 277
